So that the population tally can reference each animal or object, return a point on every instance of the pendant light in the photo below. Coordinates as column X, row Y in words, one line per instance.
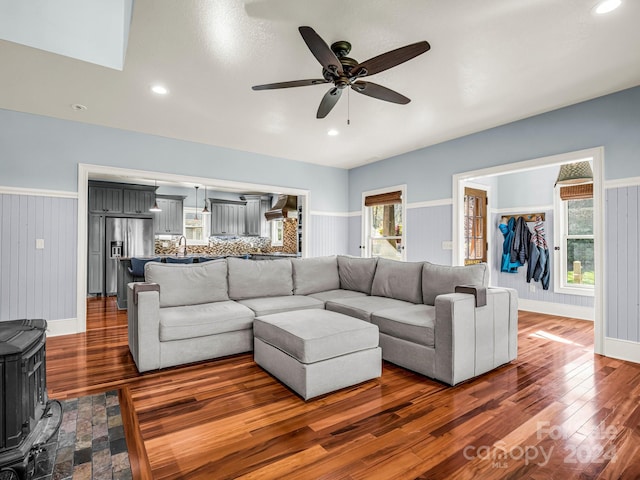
column 195, row 217
column 155, row 207
column 205, row 210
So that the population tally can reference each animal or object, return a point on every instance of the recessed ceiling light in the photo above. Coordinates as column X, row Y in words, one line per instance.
column 159, row 89
column 78, row 107
column 607, row 6
column 333, row 132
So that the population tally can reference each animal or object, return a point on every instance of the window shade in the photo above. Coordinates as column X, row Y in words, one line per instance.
column 388, row 198
column 577, row 192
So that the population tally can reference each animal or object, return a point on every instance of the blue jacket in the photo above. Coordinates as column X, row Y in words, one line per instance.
column 508, row 231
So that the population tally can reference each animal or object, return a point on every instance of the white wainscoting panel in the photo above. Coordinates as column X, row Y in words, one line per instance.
column 37, row 282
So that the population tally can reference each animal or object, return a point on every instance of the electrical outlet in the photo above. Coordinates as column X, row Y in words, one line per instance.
column 447, row 245
column 532, row 288
column 40, row 243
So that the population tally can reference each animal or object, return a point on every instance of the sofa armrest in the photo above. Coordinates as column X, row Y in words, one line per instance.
column 144, row 326
column 478, row 291
column 472, row 340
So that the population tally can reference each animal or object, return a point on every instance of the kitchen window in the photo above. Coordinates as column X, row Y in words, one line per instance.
column 196, row 226
column 277, row 233
column 574, row 240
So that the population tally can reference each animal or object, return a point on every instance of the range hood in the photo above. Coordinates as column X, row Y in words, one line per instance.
column 282, row 206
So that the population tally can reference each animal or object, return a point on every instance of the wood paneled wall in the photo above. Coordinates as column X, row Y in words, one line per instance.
column 622, row 288
column 329, row 235
column 38, row 283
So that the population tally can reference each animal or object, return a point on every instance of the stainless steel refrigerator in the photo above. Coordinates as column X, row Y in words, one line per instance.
column 125, row 237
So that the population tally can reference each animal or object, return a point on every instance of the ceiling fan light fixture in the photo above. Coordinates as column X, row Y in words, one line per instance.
column 606, row 6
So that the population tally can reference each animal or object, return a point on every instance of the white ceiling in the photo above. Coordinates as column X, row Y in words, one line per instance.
column 491, row 62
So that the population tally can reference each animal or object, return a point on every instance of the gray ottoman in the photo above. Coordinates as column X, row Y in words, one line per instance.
column 317, row 351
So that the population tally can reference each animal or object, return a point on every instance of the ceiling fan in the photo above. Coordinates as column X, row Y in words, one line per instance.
column 345, row 72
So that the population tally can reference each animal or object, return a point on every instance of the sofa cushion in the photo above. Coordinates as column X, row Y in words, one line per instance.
column 312, row 275
column 264, row 278
column 334, row 294
column 271, row 305
column 399, row 280
column 191, row 321
column 440, row 279
column 356, row 273
column 414, row 324
column 363, row 307
column 192, row 284
column 314, row 335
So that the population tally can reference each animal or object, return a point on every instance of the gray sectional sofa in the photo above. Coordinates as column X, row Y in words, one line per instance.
column 189, row 313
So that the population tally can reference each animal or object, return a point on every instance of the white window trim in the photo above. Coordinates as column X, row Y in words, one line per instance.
column 560, row 255
column 365, row 247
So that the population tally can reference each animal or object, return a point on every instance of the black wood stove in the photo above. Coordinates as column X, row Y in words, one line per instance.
column 23, row 395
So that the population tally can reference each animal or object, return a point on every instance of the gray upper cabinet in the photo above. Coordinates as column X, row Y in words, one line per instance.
column 227, row 217
column 170, row 220
column 105, row 199
column 136, row 202
column 252, row 215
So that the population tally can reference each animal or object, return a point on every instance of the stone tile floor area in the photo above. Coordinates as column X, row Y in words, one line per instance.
column 90, row 444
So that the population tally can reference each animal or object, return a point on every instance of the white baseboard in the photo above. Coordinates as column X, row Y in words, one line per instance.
column 560, row 309
column 622, row 349
column 65, row 326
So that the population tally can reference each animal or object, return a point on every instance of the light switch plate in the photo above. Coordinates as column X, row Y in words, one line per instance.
column 447, row 245
column 39, row 243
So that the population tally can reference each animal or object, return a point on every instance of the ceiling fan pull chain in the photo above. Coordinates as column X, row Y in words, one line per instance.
column 348, row 107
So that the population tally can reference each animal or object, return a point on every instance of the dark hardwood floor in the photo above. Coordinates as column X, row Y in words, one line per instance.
column 558, row 411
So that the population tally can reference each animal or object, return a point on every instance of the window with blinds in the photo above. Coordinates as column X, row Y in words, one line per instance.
column 574, row 221
column 384, row 225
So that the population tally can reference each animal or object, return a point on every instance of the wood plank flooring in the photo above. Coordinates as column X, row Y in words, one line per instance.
column 558, row 411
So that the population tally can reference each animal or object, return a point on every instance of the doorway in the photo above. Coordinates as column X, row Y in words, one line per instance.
column 475, row 218
column 101, row 172
column 596, row 155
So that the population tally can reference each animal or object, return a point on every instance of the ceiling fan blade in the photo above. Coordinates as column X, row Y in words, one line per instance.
column 392, row 58
column 321, row 50
column 378, row 91
column 294, row 83
column 328, row 102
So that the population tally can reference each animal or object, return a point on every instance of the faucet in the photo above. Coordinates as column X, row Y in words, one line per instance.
column 182, row 249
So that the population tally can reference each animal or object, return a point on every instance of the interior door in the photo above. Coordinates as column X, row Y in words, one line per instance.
column 475, row 225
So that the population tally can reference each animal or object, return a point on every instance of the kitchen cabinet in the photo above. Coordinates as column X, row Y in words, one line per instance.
column 255, row 209
column 170, row 220
column 136, row 202
column 95, row 257
column 228, row 217
column 104, row 199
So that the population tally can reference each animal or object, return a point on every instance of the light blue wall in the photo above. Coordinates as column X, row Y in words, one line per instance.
column 612, row 121
column 42, row 152
column 523, row 189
